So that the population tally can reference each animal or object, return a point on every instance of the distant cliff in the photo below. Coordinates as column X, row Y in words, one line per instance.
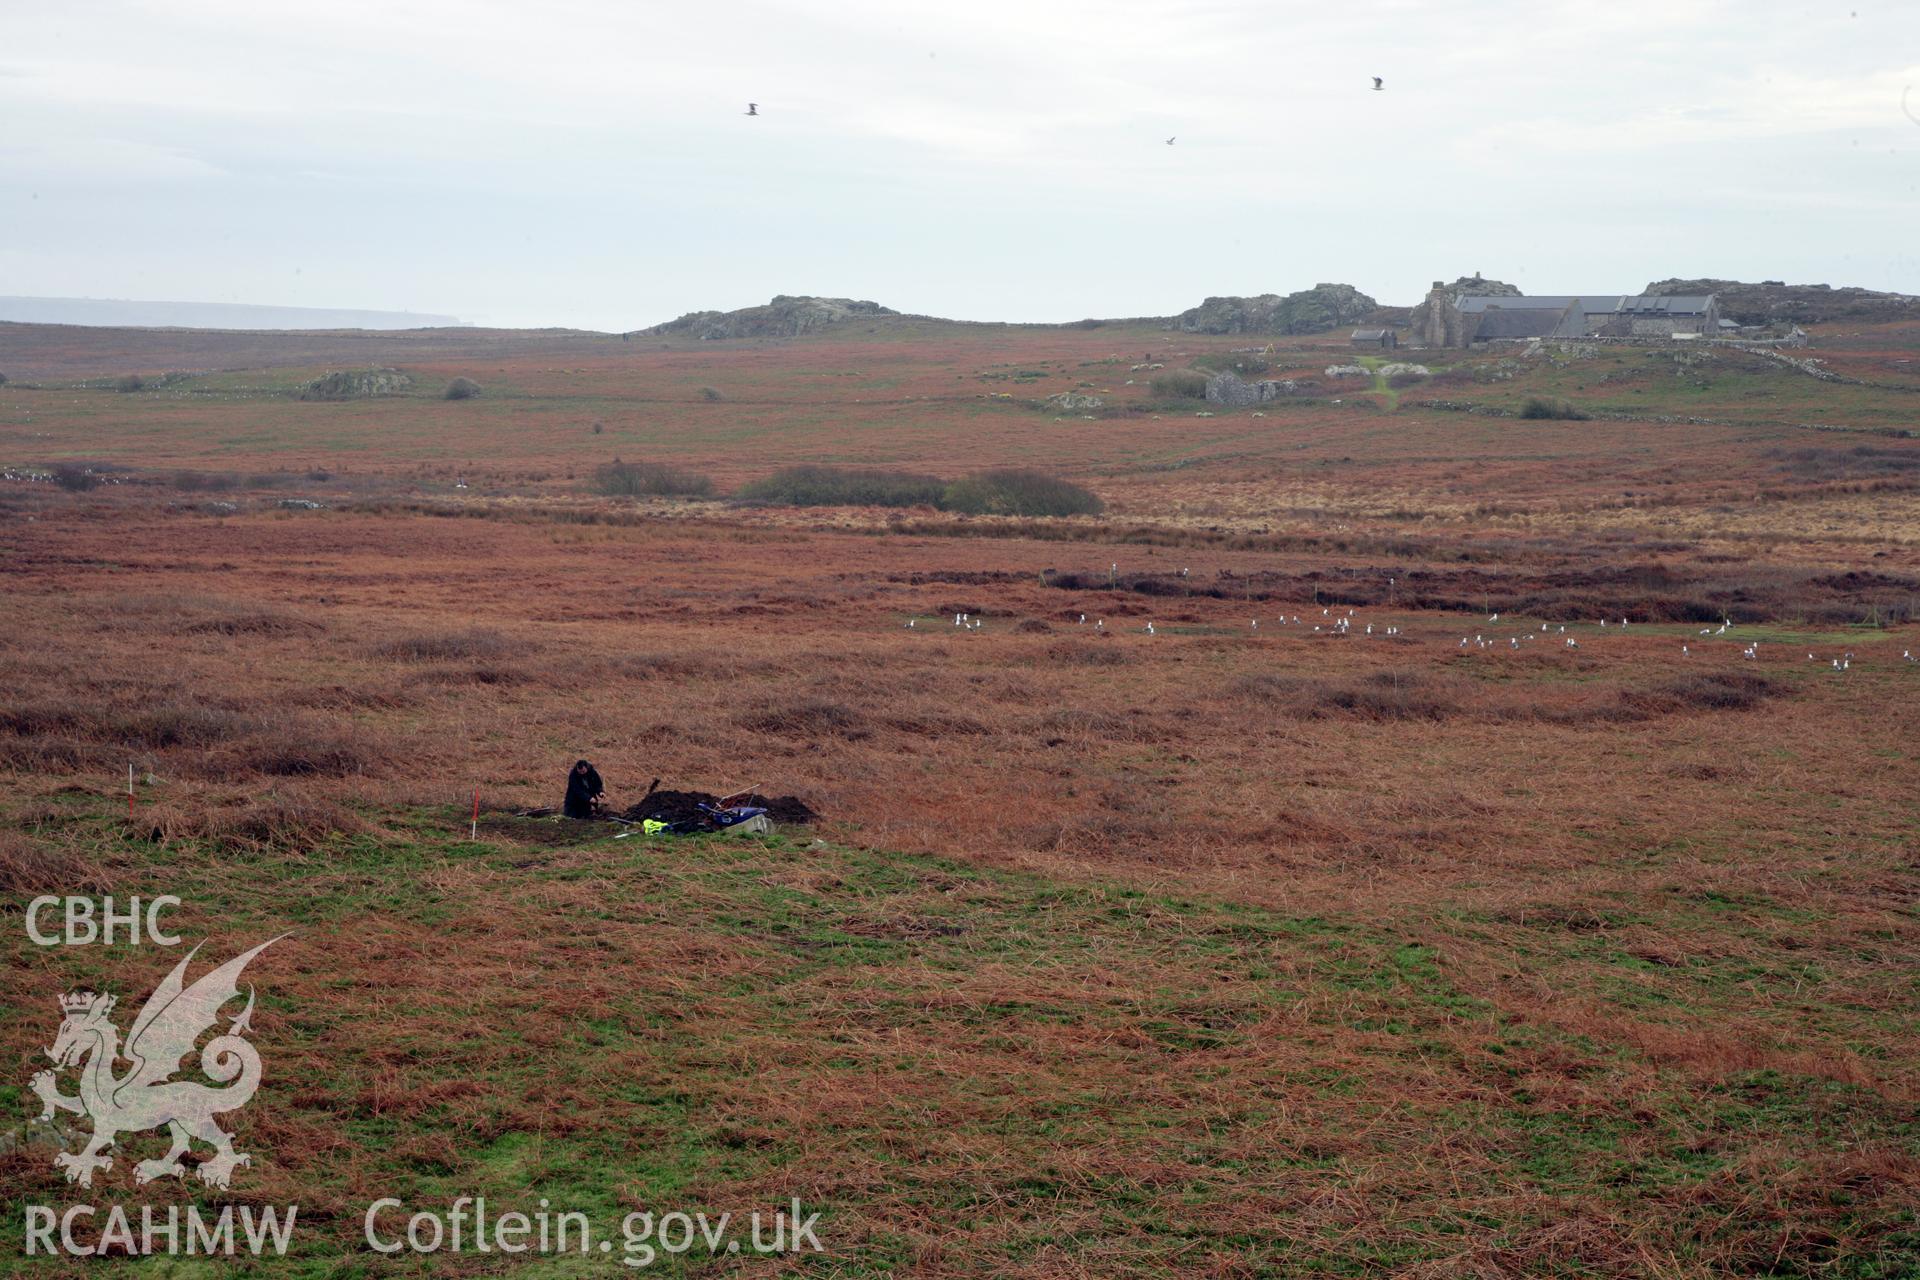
column 785, row 317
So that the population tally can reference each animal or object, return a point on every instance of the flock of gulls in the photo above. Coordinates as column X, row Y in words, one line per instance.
column 1350, row 624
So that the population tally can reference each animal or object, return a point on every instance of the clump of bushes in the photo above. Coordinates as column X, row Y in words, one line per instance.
column 1553, row 407
column 129, row 382
column 711, row 394
column 650, row 480
column 818, row 486
column 1005, row 491
column 1179, row 384
column 75, row 478
column 1019, row 491
column 462, row 389
column 1227, row 362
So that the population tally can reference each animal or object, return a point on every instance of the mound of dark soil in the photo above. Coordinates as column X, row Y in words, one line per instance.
column 682, row 806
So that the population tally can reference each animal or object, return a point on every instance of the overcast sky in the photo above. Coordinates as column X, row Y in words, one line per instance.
column 588, row 163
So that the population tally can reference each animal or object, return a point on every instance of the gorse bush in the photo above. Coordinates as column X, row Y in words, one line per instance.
column 650, row 480
column 462, row 389
column 1246, row 366
column 1552, row 407
column 74, row 478
column 817, row 486
column 1018, row 491
column 1180, row 384
column 129, row 382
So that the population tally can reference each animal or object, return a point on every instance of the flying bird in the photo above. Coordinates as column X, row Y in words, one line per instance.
column 1170, row 140
column 1377, row 85
column 753, row 108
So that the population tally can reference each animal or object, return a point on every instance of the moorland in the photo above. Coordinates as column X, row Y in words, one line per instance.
column 1396, row 834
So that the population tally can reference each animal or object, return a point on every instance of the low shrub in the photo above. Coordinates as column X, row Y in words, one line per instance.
column 650, row 480
column 1179, row 384
column 1553, row 407
column 75, row 478
column 1019, row 491
column 1245, row 365
column 819, row 486
column 711, row 394
column 130, row 382
column 462, row 389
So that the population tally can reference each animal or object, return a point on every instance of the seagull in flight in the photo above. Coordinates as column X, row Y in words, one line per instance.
column 1170, row 140
column 753, row 108
column 1377, row 85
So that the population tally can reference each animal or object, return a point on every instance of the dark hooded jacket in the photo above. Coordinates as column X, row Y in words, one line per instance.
column 583, row 788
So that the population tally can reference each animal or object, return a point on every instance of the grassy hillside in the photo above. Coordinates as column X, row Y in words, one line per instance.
column 973, row 1070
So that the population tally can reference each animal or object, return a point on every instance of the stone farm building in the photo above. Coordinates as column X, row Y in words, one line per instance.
column 1382, row 338
column 1445, row 320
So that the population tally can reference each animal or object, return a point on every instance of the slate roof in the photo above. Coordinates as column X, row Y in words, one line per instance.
column 1474, row 303
column 1670, row 304
column 1679, row 304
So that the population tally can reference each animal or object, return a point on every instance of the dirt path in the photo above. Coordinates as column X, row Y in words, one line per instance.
column 1388, row 395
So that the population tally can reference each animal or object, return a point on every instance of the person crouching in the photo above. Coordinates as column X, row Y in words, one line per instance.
column 584, row 791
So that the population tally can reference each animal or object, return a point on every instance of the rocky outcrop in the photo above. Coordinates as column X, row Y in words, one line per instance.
column 1481, row 287
column 1771, row 302
column 1230, row 390
column 785, row 317
column 1072, row 402
column 1315, row 310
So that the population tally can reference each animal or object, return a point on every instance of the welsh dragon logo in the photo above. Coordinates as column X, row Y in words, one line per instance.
column 145, row 1096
